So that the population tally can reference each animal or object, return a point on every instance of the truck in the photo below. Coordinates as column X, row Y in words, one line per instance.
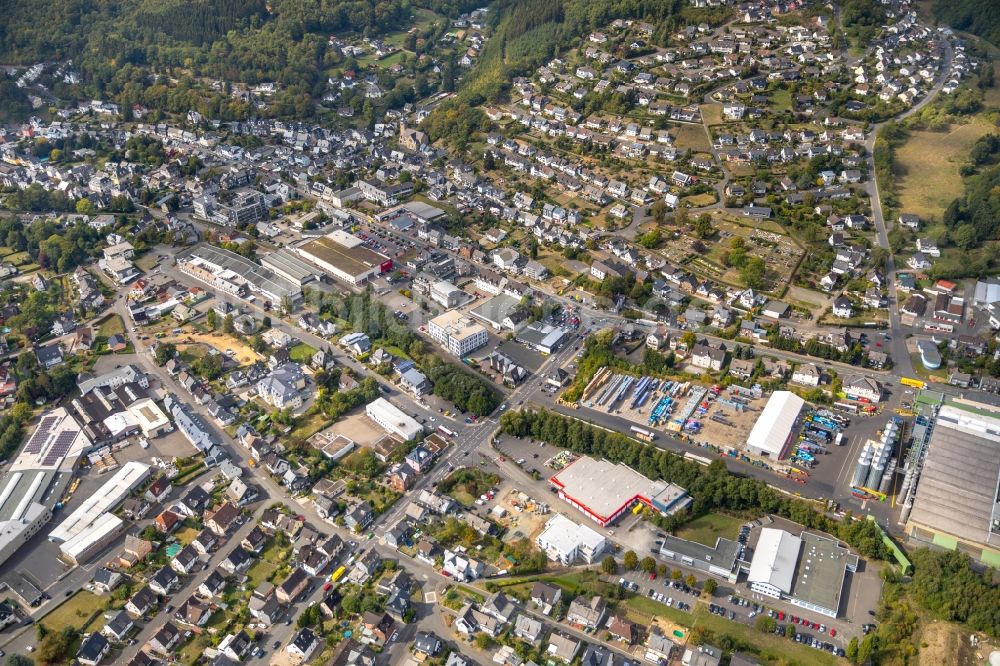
column 643, row 434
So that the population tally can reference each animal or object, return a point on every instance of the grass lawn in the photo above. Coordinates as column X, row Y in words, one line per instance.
column 18, row 258
column 301, row 353
column 712, row 114
column 706, row 529
column 699, row 200
column 110, row 326
column 259, row 572
column 781, row 100
column 73, row 612
column 310, row 425
column 929, row 162
column 186, row 535
column 691, row 137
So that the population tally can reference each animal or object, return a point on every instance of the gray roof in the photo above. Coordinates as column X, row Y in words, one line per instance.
column 496, row 309
column 820, row 571
column 722, row 555
column 957, row 487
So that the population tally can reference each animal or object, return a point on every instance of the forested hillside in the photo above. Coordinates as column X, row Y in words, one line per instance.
column 529, row 32
column 980, row 17
column 115, row 45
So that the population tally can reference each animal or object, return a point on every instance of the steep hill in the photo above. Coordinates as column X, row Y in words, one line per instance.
column 980, row 17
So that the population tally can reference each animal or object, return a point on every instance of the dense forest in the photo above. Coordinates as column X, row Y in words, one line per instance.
column 980, row 17
column 152, row 51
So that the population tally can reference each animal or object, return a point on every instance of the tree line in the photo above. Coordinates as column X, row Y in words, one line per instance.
column 712, row 488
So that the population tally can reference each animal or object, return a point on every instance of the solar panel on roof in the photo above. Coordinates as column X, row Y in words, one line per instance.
column 41, row 434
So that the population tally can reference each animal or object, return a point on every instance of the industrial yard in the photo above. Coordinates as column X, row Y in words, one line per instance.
column 675, row 406
column 776, row 431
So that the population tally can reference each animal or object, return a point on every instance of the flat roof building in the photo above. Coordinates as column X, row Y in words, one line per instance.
column 808, row 570
column 543, row 338
column 286, row 264
column 565, row 541
column 151, row 419
column 604, row 491
column 457, row 333
column 393, row 419
column 775, row 427
column 236, row 275
column 344, row 256
column 37, row 478
column 956, row 501
column 719, row 560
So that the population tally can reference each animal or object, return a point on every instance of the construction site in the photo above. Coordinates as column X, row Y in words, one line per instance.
column 522, row 515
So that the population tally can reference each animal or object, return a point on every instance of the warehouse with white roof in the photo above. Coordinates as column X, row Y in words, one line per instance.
column 393, row 419
column 808, row 570
column 774, row 430
column 91, row 526
column 772, row 570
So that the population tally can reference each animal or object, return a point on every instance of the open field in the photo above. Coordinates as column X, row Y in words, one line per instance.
column 146, row 262
column 706, row 529
column 699, row 200
column 691, row 137
column 930, row 163
column 74, row 612
column 712, row 114
column 947, row 643
column 110, row 325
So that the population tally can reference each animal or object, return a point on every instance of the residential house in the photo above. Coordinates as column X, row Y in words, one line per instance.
column 304, row 644
column 165, row 581
column 93, row 649
column 545, row 596
column 562, row 647
column 587, row 613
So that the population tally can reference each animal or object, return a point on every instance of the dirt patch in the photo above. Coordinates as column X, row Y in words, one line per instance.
column 358, row 428
column 944, row 643
column 526, row 517
column 242, row 353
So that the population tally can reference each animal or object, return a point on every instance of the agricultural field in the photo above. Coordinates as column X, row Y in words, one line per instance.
column 929, row 163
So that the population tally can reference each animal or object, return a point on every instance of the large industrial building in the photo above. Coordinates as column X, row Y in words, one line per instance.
column 286, row 264
column 92, row 526
column 957, row 502
column 393, row 419
column 236, row 275
column 38, row 477
column 604, row 491
column 774, row 430
column 344, row 256
column 808, row 570
column 565, row 541
column 457, row 332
